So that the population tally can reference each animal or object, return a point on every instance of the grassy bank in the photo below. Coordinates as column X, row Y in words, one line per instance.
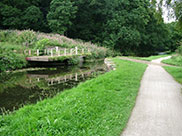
column 174, row 60
column 175, row 72
column 9, row 59
column 150, row 58
column 100, row 106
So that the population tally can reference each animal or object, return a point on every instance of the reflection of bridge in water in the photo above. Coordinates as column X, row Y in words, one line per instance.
column 64, row 78
column 34, row 85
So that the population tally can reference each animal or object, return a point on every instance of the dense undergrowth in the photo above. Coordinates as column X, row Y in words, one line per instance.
column 100, row 106
column 14, row 42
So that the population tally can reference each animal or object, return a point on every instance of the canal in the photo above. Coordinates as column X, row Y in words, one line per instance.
column 30, row 86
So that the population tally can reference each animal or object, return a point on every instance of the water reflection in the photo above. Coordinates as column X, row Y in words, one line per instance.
column 31, row 86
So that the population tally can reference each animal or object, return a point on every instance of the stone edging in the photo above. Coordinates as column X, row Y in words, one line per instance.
column 110, row 64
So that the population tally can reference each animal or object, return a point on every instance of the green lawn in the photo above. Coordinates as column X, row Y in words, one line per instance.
column 175, row 60
column 175, row 72
column 101, row 106
column 150, row 58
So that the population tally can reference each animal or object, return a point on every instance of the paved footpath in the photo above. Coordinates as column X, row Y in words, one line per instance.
column 158, row 109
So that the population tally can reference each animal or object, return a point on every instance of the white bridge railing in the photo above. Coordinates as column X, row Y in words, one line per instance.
column 56, row 52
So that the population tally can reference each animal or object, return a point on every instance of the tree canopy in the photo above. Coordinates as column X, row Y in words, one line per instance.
column 131, row 27
column 60, row 15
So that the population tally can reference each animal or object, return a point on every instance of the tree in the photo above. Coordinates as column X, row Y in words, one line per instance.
column 60, row 15
column 90, row 19
column 24, row 14
column 175, row 36
column 120, row 25
column 178, row 11
column 32, row 19
column 10, row 16
column 176, row 5
column 135, row 30
column 126, row 26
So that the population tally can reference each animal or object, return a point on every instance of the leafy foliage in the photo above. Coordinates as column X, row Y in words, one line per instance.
column 179, row 50
column 60, row 15
column 27, row 38
column 126, row 26
column 31, row 15
column 21, row 14
column 130, row 27
column 175, row 36
column 9, row 58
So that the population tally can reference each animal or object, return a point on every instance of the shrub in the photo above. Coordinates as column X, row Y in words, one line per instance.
column 41, row 44
column 74, row 60
column 8, row 36
column 27, row 38
column 179, row 50
column 11, row 61
column 6, row 47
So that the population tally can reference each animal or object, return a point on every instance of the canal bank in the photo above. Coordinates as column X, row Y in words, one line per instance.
column 100, row 106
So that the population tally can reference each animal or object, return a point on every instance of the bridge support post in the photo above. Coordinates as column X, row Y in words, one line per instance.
column 57, row 50
column 76, row 77
column 45, row 52
column 59, row 53
column 76, row 50
column 82, row 51
column 29, row 52
column 64, row 52
column 51, row 53
column 37, row 52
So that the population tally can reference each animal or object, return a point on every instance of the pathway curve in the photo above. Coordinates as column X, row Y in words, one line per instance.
column 158, row 109
column 156, row 62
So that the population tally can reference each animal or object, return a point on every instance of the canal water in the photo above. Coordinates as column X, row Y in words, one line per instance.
column 28, row 87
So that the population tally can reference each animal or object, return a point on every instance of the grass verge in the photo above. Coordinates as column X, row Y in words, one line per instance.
column 175, row 72
column 174, row 60
column 150, row 58
column 100, row 106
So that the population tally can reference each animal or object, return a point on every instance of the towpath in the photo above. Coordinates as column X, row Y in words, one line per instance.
column 158, row 109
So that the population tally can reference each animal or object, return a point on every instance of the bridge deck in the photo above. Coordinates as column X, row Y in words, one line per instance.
column 38, row 58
